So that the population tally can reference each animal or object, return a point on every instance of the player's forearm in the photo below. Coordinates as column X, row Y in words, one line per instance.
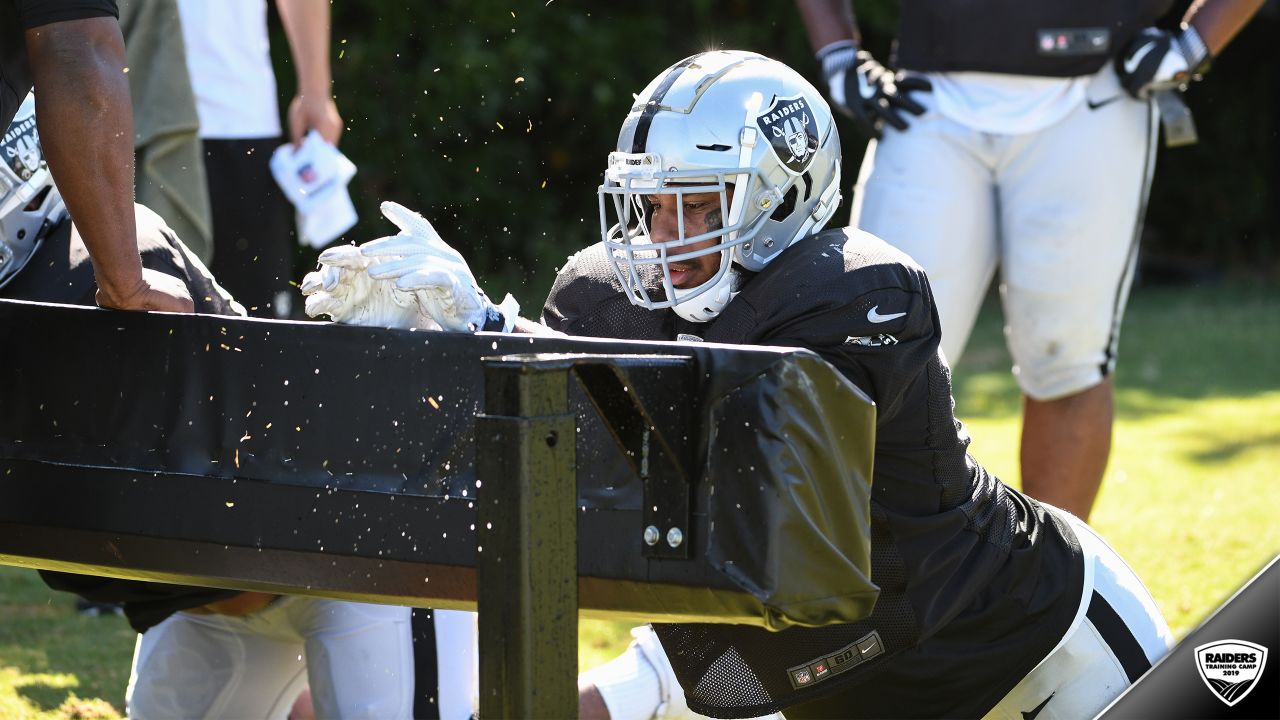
column 86, row 129
column 529, row 327
column 1218, row 21
column 306, row 24
column 828, row 21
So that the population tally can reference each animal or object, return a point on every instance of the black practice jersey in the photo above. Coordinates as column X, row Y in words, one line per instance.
column 60, row 272
column 977, row 582
column 1010, row 36
column 17, row 16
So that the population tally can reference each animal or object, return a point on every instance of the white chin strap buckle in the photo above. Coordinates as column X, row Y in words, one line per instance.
column 708, row 305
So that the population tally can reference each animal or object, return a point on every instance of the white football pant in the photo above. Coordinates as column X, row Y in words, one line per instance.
column 1118, row 634
column 1058, row 210
column 357, row 658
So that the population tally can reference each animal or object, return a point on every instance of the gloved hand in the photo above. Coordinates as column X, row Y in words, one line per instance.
column 1161, row 60
column 435, row 274
column 867, row 91
column 342, row 289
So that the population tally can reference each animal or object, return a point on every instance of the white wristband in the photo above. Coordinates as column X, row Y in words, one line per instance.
column 837, row 56
column 1194, row 51
column 510, row 310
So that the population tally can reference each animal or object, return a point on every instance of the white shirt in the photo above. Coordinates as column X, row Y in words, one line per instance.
column 1007, row 104
column 229, row 58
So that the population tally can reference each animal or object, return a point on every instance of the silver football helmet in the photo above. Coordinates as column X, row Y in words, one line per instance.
column 30, row 205
column 730, row 122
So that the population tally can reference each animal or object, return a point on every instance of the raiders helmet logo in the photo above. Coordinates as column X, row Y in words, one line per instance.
column 21, row 148
column 792, row 131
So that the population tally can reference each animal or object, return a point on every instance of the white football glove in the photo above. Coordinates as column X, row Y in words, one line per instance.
column 342, row 289
column 866, row 91
column 1162, row 60
column 436, row 275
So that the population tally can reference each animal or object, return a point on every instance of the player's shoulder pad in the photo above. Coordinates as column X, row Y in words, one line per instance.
column 847, row 258
column 588, row 299
column 587, row 277
column 840, row 285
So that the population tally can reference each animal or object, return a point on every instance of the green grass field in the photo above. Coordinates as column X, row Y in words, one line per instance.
column 1190, row 497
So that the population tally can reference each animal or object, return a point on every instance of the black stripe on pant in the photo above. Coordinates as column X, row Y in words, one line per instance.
column 1118, row 637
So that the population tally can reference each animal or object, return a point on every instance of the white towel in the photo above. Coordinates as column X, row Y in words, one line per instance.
column 314, row 177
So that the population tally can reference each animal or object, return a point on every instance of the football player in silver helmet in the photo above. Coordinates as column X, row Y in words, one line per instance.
column 712, row 215
column 750, row 160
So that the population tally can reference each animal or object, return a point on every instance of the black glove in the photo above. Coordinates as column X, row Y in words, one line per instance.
column 1162, row 60
column 867, row 91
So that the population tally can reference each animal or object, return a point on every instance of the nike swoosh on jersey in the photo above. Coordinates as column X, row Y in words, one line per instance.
column 875, row 317
column 1131, row 63
column 1095, row 105
column 1032, row 713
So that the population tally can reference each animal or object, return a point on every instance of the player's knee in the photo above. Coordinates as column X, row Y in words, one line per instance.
column 181, row 672
column 1059, row 347
column 1055, row 384
column 1051, row 368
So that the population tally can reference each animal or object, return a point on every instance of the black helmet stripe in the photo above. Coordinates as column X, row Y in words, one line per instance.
column 641, row 137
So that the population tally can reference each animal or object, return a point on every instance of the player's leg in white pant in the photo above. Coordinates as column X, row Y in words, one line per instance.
column 359, row 657
column 1071, row 202
column 1072, row 199
column 457, row 663
column 929, row 192
column 1119, row 635
column 214, row 666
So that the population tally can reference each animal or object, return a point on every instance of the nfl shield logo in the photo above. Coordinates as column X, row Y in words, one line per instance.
column 792, row 130
column 1231, row 668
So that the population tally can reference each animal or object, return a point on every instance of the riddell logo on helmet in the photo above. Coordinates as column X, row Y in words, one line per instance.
column 792, row 131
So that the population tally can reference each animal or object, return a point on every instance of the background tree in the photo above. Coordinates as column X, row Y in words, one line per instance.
column 494, row 119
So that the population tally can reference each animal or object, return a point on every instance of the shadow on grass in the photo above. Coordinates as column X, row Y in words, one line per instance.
column 75, row 708
column 57, row 652
column 45, row 696
column 1226, row 449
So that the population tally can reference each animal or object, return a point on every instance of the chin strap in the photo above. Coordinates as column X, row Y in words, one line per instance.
column 747, row 143
column 708, row 305
column 823, row 210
